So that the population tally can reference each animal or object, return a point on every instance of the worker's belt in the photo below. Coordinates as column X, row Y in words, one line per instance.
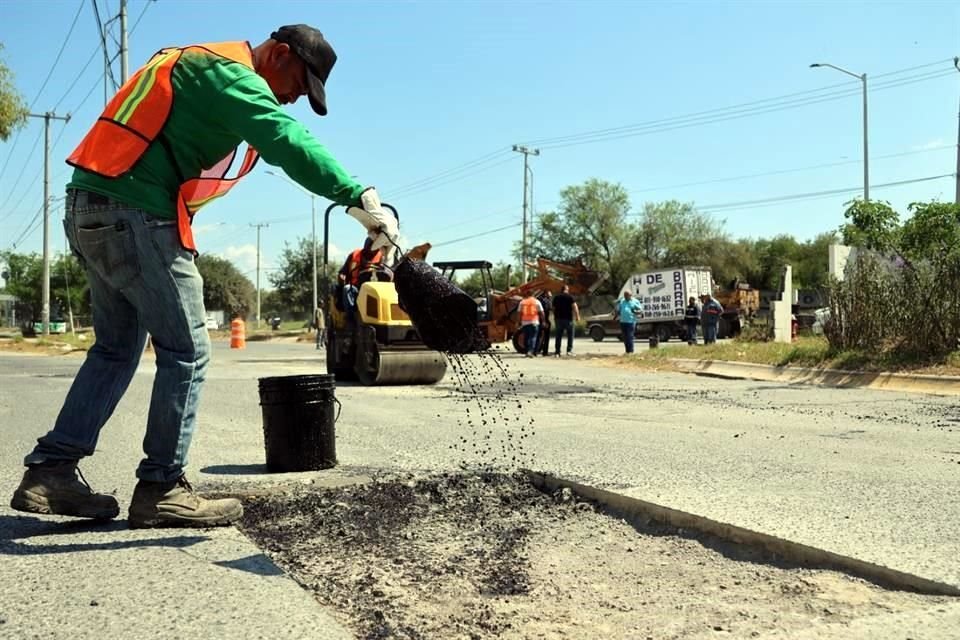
column 79, row 199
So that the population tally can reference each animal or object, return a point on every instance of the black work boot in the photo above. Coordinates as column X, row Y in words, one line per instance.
column 53, row 488
column 175, row 504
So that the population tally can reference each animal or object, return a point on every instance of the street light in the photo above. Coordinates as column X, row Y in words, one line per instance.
column 313, row 217
column 866, row 157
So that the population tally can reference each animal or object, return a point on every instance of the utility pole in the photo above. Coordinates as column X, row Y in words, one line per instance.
column 124, row 48
column 259, row 226
column 527, row 152
column 862, row 77
column 956, row 64
column 45, row 296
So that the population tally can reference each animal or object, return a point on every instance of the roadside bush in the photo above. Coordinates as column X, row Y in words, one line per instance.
column 908, row 308
column 756, row 332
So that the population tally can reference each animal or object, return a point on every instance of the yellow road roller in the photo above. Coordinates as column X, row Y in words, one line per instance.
column 377, row 343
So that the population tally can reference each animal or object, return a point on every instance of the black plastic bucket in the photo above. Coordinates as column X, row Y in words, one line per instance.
column 298, row 422
column 445, row 317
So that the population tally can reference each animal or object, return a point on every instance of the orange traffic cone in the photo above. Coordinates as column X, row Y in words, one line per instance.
column 238, row 334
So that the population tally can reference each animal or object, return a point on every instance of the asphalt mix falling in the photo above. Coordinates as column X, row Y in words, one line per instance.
column 495, row 421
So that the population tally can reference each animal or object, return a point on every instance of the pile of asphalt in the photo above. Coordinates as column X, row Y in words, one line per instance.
column 486, row 555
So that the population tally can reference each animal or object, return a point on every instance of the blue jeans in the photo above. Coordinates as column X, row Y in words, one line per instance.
column 141, row 280
column 628, row 329
column 530, row 332
column 564, row 327
column 709, row 332
column 691, row 332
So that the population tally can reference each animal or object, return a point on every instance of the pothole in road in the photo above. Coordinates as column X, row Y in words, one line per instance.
column 491, row 556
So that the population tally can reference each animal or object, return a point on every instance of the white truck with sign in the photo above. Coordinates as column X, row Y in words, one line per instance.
column 664, row 294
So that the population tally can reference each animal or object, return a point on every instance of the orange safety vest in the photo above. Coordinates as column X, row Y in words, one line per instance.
column 135, row 118
column 357, row 264
column 528, row 310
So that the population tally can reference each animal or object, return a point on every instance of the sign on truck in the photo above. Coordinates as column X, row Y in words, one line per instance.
column 664, row 293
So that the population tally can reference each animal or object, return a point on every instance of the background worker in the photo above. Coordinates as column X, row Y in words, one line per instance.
column 565, row 311
column 691, row 318
column 627, row 309
column 320, row 325
column 359, row 267
column 543, row 336
column 531, row 317
column 141, row 174
column 710, row 317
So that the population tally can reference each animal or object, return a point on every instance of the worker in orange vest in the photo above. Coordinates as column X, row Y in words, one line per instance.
column 162, row 149
column 360, row 266
column 531, row 317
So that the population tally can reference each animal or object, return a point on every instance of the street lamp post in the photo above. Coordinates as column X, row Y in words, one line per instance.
column 313, row 217
column 866, row 155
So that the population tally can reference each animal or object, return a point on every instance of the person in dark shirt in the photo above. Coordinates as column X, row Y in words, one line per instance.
column 565, row 311
column 691, row 318
column 543, row 338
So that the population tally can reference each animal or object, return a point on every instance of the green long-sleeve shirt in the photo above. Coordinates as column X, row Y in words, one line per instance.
column 217, row 105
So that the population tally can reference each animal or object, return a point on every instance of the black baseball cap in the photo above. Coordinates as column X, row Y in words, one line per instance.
column 311, row 47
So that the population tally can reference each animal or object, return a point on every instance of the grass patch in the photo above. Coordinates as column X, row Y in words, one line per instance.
column 812, row 352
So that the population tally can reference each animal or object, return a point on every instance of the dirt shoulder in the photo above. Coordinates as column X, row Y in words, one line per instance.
column 806, row 352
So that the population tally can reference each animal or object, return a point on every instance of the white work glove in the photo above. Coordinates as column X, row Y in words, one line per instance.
column 381, row 225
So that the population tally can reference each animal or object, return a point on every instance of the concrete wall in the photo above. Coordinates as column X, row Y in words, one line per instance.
column 837, row 256
column 780, row 309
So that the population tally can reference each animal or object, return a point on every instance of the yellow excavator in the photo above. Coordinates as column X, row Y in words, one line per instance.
column 378, row 345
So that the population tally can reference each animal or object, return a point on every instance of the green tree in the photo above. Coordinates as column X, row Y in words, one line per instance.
column 13, row 108
column 224, row 287
column 69, row 289
column 591, row 223
column 473, row 283
column 811, row 262
column 293, row 280
column 933, row 230
column 674, row 233
column 872, row 225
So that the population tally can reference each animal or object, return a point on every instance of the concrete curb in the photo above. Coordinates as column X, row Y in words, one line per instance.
column 634, row 508
column 906, row 382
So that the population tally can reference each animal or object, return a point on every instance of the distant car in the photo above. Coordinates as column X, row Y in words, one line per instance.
column 212, row 324
column 607, row 324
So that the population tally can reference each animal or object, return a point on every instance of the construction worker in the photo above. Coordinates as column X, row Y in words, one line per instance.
column 627, row 308
column 160, row 150
column 359, row 267
column 543, row 334
column 691, row 318
column 565, row 311
column 710, row 318
column 531, row 317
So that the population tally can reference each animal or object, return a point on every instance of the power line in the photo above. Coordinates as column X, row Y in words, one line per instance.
column 417, row 184
column 753, row 104
column 23, row 168
column 477, row 171
column 16, row 138
column 747, row 109
column 76, row 79
column 794, row 170
column 683, row 122
column 827, row 192
column 108, row 69
column 63, row 46
column 478, row 235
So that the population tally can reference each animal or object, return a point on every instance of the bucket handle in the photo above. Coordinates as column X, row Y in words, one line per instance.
column 339, row 408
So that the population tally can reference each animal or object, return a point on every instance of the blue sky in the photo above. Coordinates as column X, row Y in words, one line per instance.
column 425, row 88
